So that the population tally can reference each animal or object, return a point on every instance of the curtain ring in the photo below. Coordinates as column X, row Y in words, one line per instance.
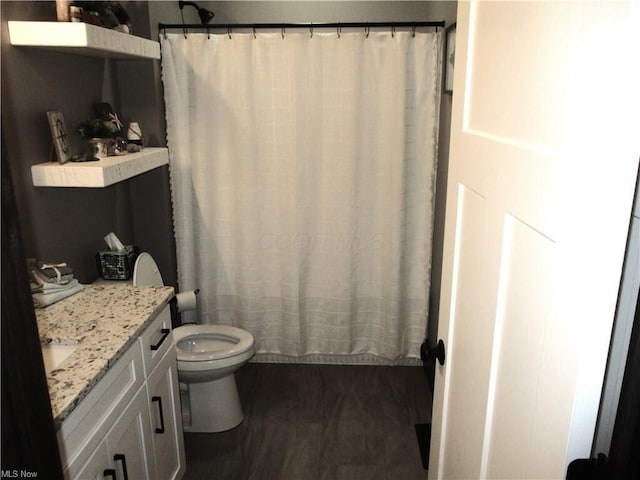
column 338, row 30
column 282, row 32
column 366, row 31
column 413, row 32
column 254, row 32
column 311, row 30
column 393, row 31
column 184, row 32
column 208, row 34
column 229, row 32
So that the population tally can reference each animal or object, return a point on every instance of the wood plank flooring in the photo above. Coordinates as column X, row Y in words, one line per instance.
column 318, row 422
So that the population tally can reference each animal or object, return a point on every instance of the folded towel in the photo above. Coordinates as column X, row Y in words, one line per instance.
column 41, row 299
column 54, row 271
column 52, row 287
column 40, row 279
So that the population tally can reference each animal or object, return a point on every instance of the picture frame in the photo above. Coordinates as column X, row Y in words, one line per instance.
column 59, row 135
column 449, row 58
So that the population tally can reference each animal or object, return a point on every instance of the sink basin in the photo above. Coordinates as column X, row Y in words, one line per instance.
column 54, row 354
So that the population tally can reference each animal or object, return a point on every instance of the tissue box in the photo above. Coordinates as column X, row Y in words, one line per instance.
column 117, row 265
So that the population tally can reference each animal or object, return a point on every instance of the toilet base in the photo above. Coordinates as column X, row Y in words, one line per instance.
column 213, row 406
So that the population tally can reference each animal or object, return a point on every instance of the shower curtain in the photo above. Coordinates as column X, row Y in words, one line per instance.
column 302, row 172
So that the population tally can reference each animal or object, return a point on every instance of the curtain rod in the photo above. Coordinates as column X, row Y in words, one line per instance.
column 255, row 26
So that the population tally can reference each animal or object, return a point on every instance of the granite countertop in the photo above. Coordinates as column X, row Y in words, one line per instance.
column 103, row 320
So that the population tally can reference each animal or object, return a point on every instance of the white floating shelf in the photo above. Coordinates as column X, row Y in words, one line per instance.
column 82, row 39
column 102, row 173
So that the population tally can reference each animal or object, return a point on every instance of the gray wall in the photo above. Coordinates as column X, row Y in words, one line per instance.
column 307, row 11
column 67, row 224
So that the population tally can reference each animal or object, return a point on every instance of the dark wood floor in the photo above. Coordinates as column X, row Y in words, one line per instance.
column 308, row 422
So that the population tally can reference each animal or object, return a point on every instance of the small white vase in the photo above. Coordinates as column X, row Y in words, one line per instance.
column 134, row 134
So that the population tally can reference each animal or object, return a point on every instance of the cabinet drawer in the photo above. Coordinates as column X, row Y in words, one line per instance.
column 156, row 340
column 80, row 433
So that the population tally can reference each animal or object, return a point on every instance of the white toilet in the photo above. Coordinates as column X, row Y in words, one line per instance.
column 208, row 356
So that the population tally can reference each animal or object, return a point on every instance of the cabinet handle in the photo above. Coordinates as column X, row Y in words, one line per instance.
column 120, row 457
column 109, row 472
column 165, row 333
column 159, row 400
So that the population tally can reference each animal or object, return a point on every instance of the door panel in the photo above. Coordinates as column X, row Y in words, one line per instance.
column 469, row 365
column 519, row 376
column 501, row 82
column 538, row 200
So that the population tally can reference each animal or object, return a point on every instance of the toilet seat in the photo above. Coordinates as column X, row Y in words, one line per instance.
column 146, row 272
column 204, row 343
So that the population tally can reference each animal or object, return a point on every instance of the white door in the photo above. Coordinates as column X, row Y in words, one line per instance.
column 544, row 152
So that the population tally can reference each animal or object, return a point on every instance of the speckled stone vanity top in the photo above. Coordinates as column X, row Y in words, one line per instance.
column 103, row 320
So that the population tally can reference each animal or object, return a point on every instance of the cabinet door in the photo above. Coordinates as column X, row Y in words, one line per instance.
column 94, row 468
column 129, row 442
column 166, row 418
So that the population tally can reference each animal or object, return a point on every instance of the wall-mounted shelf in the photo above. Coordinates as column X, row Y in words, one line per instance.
column 102, row 173
column 82, row 39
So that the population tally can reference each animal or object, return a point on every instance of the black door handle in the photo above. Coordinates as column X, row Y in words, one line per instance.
column 109, row 472
column 437, row 351
column 159, row 400
column 120, row 457
column 165, row 333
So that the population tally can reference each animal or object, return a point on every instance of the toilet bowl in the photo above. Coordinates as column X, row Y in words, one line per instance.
column 209, row 352
column 208, row 356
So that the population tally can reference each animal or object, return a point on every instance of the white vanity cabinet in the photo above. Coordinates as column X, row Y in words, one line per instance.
column 129, row 426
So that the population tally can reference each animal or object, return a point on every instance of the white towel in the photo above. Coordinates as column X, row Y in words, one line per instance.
column 44, row 299
column 52, row 287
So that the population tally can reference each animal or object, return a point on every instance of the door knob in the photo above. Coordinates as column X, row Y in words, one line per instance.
column 437, row 351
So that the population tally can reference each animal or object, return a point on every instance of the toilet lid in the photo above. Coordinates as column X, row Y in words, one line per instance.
column 198, row 343
column 146, row 272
